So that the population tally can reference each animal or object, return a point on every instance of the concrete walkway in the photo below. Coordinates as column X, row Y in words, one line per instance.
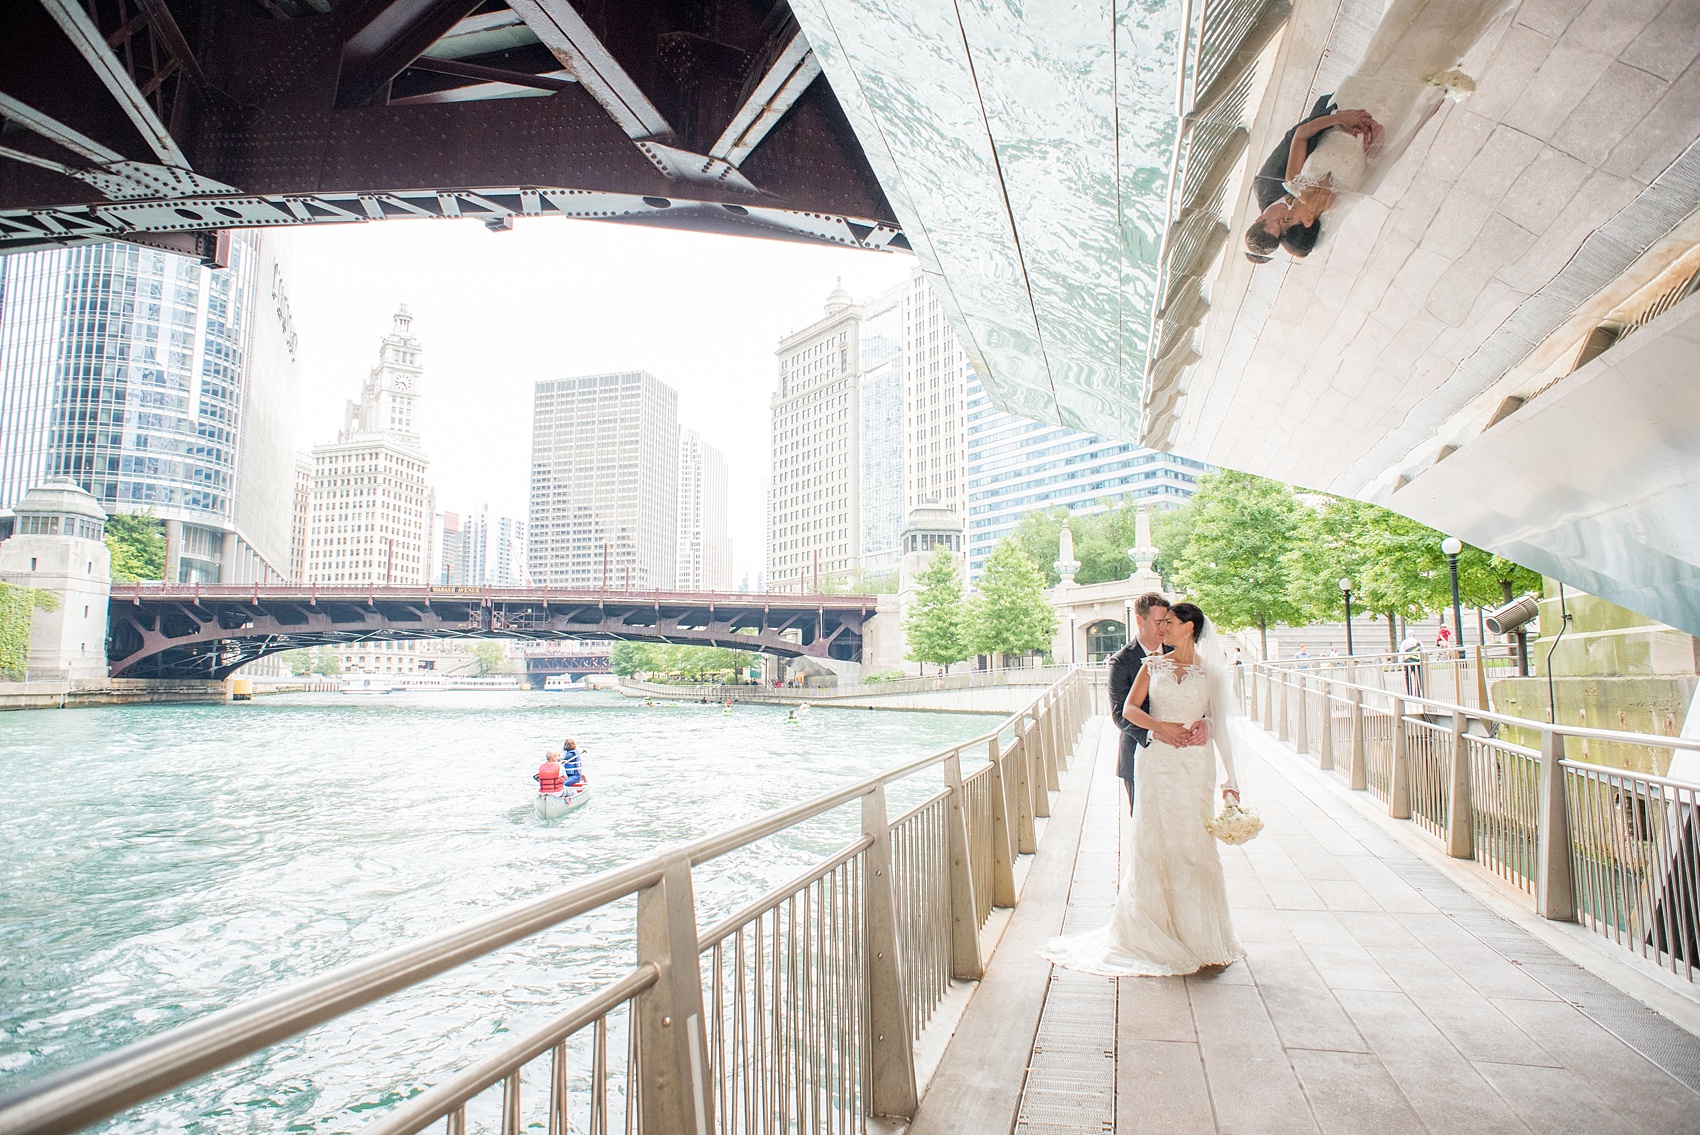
column 1378, row 995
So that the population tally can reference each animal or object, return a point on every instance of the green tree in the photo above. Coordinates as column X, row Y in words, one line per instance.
column 18, row 606
column 326, row 661
column 298, row 662
column 629, row 658
column 137, row 543
column 934, row 625
column 1011, row 615
column 1235, row 564
column 1171, row 531
column 489, row 657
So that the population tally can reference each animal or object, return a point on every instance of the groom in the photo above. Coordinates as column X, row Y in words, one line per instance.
column 1150, row 613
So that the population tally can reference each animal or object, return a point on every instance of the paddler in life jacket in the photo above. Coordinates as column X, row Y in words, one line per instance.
column 570, row 767
column 549, row 776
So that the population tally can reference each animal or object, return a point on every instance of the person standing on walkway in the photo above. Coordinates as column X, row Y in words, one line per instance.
column 1149, row 612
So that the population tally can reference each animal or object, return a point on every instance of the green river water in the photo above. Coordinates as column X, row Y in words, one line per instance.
column 160, row 862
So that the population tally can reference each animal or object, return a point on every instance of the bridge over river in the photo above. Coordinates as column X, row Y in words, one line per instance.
column 192, row 631
column 1501, row 964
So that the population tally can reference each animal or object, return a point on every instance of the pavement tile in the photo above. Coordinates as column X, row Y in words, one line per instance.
column 1553, row 1101
column 1541, row 190
column 1550, row 17
column 1566, row 75
column 1623, row 96
column 1469, row 1020
column 1664, row 132
column 1520, row 53
column 1351, row 1093
column 1153, row 1009
column 1252, row 1084
column 1667, row 45
column 1636, row 1088
column 1612, row 25
column 1299, row 1002
column 1443, row 1088
column 1161, row 1090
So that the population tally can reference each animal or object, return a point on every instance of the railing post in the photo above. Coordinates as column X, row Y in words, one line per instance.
column 1059, row 737
column 1283, row 725
column 673, row 1091
column 1399, row 785
column 965, row 961
column 1003, row 846
column 1268, row 700
column 1026, row 837
column 1460, row 806
column 1048, row 747
column 1359, row 766
column 1555, row 884
column 1301, row 731
column 1031, row 749
column 1325, row 748
column 891, row 1077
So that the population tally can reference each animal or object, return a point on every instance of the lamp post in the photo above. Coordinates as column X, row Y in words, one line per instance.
column 1452, row 546
column 1346, row 590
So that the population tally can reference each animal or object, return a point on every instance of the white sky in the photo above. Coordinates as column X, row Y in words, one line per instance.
column 498, row 311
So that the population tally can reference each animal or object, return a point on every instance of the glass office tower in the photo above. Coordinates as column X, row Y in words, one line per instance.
column 159, row 386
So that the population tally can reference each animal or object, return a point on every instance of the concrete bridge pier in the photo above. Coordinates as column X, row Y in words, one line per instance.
column 56, row 550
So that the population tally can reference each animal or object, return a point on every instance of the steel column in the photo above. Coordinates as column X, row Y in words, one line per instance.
column 673, row 1090
column 1325, row 749
column 965, row 961
column 1021, row 789
column 1555, row 882
column 1460, row 806
column 1359, row 767
column 1301, row 729
column 892, row 1089
column 1003, row 847
column 1399, row 787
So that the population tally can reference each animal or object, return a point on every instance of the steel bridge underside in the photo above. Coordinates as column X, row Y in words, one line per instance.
column 169, row 123
column 211, row 633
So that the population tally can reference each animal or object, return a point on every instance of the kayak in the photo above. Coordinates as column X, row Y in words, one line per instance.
column 554, row 805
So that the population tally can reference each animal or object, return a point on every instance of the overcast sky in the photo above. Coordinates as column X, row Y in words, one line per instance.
column 498, row 311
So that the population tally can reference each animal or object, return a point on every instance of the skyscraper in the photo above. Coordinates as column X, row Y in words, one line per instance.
column 492, row 550
column 1016, row 466
column 816, row 510
column 159, row 386
column 935, row 385
column 604, row 482
column 371, row 512
column 705, row 544
column 449, row 558
column 880, row 444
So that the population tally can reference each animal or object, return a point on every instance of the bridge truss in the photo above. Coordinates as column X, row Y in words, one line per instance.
column 197, row 631
column 170, row 122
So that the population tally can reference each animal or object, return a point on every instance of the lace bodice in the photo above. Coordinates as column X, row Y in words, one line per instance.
column 1176, row 696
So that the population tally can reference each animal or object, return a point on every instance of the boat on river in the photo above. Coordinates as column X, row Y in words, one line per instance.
column 554, row 805
column 369, row 684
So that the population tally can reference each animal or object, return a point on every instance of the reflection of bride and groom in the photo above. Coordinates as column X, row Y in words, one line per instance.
column 1337, row 156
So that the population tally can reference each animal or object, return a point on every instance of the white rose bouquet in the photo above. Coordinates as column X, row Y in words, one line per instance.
column 1235, row 824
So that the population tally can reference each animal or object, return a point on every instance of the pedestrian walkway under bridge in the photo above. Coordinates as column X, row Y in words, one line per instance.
column 893, row 984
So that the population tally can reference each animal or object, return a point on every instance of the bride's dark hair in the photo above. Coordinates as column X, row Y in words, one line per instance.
column 1189, row 613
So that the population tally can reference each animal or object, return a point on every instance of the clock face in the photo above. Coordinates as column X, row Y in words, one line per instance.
column 403, row 382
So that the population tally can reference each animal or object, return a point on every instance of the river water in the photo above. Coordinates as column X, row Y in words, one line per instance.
column 159, row 862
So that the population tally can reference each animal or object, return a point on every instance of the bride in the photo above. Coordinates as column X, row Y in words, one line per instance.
column 1171, row 916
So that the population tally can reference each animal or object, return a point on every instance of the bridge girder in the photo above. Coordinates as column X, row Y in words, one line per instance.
column 210, row 632
column 167, row 122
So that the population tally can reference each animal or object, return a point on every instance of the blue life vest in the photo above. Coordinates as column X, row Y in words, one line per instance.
column 570, row 768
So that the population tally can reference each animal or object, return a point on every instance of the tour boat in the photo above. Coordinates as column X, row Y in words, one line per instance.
column 554, row 805
column 560, row 682
column 369, row 684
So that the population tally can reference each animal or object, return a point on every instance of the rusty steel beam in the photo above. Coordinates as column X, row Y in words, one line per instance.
column 387, row 36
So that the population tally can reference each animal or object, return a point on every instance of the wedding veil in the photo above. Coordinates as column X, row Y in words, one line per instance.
column 1219, row 671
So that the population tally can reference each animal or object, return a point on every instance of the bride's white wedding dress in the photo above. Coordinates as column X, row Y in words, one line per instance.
column 1171, row 916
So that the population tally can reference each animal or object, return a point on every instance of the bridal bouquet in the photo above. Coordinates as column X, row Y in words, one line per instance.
column 1235, row 824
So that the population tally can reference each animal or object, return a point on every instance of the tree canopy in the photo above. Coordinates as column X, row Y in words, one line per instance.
column 1010, row 614
column 691, row 663
column 137, row 543
column 1235, row 564
column 935, row 623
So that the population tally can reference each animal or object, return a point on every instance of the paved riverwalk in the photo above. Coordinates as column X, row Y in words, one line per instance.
column 1378, row 994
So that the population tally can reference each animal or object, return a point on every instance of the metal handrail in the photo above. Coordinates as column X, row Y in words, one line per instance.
column 96, row 1089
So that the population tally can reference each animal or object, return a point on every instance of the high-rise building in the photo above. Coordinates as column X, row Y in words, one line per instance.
column 816, row 510
column 302, row 506
column 604, row 482
column 159, row 386
column 371, row 512
column 493, row 550
column 450, row 553
column 705, row 542
column 880, row 445
column 1016, row 466
column 935, row 392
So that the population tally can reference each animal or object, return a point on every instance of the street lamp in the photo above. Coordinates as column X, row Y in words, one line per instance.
column 1346, row 590
column 1452, row 546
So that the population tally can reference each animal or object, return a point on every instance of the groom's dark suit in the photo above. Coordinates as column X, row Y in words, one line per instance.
column 1124, row 668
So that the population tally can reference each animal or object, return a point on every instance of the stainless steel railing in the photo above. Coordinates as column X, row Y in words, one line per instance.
column 797, row 1012
column 1615, row 850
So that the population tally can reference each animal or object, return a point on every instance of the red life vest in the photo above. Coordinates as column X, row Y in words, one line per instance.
column 549, row 778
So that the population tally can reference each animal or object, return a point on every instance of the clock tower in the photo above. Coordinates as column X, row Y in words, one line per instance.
column 388, row 399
